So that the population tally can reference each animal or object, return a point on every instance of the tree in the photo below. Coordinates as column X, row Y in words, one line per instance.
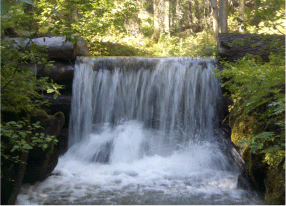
column 223, row 16
column 159, row 18
column 215, row 17
column 242, row 16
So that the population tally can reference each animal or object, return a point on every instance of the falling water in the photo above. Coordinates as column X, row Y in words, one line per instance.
column 144, row 131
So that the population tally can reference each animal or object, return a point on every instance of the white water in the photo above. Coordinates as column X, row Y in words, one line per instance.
column 144, row 131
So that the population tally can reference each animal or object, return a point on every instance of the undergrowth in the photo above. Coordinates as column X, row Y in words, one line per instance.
column 197, row 45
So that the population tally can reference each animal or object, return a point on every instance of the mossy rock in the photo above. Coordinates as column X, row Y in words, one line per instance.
column 41, row 116
column 275, row 185
column 242, row 128
column 41, row 162
column 255, row 169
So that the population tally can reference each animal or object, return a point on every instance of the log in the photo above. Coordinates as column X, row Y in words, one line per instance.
column 232, row 46
column 57, row 47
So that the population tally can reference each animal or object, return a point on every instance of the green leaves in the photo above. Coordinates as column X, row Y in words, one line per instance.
column 23, row 137
column 20, row 89
column 6, row 4
column 257, row 89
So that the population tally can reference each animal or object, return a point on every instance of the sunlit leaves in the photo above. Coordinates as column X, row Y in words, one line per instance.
column 259, row 89
column 19, row 87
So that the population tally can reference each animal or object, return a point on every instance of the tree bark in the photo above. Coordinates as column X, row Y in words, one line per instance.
column 159, row 17
column 233, row 46
column 242, row 16
column 223, row 16
column 167, row 16
column 190, row 16
column 19, row 179
column 215, row 17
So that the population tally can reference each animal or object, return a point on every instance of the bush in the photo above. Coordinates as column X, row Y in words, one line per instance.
column 257, row 89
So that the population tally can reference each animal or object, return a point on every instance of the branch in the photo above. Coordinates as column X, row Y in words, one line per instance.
column 10, row 79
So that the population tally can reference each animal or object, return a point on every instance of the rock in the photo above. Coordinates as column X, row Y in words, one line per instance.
column 62, row 145
column 242, row 127
column 81, row 47
column 36, row 164
column 61, row 73
column 275, row 184
column 11, row 179
column 243, row 181
column 255, row 169
column 233, row 46
column 41, row 163
column 57, row 47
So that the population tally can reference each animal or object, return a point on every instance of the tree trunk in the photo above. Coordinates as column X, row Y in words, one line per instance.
column 242, row 16
column 167, row 16
column 223, row 16
column 19, row 179
column 159, row 16
column 190, row 16
column 233, row 46
column 180, row 14
column 215, row 17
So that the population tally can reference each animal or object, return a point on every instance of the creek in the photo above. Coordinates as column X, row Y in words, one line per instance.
column 144, row 131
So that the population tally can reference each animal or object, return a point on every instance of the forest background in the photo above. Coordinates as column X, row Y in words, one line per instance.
column 151, row 28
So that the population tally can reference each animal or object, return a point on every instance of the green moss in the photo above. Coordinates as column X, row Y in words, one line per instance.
column 255, row 168
column 242, row 128
column 41, row 116
column 44, row 118
column 61, row 117
column 275, row 185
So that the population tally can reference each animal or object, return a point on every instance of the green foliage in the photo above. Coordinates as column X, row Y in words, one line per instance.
column 267, row 17
column 257, row 89
column 18, row 137
column 20, row 89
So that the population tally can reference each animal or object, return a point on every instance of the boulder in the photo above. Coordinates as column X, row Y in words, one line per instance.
column 233, row 46
column 35, row 164
column 41, row 162
column 275, row 184
column 255, row 170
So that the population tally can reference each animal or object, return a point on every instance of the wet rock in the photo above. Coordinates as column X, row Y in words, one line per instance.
column 41, row 163
column 275, row 184
column 243, row 181
column 255, row 170
column 62, row 145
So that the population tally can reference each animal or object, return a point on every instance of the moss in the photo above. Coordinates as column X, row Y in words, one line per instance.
column 44, row 118
column 275, row 185
column 40, row 115
column 61, row 117
column 264, row 178
column 255, row 168
column 242, row 128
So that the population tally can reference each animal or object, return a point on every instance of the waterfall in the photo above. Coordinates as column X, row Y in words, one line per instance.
column 144, row 131
column 178, row 97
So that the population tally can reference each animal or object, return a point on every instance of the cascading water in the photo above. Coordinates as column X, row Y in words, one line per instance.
column 144, row 131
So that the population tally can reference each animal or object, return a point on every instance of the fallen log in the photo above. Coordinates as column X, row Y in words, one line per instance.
column 57, row 47
column 232, row 46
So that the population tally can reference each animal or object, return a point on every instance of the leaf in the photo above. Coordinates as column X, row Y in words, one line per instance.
column 50, row 90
